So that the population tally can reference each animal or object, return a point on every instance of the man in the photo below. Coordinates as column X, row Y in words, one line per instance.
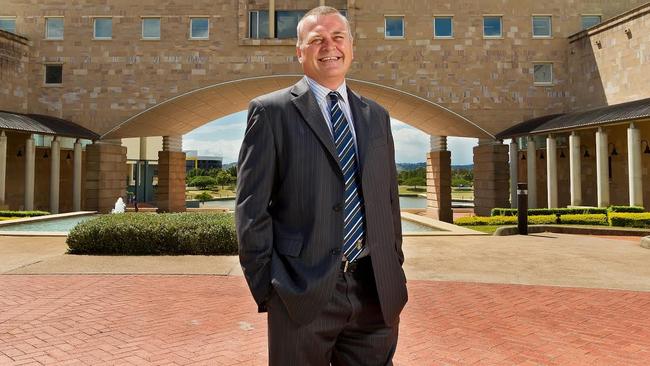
column 318, row 221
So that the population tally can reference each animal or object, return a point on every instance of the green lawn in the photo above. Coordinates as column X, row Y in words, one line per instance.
column 489, row 229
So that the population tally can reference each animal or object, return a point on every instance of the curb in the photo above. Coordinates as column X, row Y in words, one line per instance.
column 645, row 242
column 585, row 230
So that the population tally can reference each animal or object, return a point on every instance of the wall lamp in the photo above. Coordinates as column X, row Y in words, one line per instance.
column 562, row 156
column 541, row 155
column 20, row 153
column 523, row 156
column 586, row 154
column 647, row 147
column 614, row 152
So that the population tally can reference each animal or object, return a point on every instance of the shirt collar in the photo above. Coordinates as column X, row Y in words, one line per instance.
column 321, row 92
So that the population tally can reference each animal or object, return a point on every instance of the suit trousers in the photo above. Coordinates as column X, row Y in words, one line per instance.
column 350, row 330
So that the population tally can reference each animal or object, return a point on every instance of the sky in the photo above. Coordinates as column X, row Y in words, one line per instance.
column 223, row 137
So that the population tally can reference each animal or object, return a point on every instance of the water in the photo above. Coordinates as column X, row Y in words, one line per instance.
column 411, row 226
column 58, row 225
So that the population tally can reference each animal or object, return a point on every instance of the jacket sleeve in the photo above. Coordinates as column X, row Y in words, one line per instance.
column 394, row 194
column 256, row 169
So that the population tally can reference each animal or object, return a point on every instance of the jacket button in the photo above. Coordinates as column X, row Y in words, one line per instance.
column 336, row 251
column 337, row 207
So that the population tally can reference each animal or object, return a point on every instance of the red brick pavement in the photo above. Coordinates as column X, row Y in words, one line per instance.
column 211, row 320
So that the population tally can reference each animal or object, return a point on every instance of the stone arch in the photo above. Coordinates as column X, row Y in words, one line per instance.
column 183, row 113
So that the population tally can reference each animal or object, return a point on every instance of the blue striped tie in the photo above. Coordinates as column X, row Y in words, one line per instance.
column 354, row 219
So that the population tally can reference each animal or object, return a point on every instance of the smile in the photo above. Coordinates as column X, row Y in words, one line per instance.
column 329, row 59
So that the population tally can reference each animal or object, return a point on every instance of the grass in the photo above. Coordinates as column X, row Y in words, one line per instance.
column 228, row 192
column 489, row 229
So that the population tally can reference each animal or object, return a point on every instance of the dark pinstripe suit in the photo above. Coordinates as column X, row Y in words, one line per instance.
column 289, row 196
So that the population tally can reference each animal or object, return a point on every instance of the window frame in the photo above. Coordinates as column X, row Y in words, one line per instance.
column 142, row 21
column 95, row 29
column 500, row 16
column 257, row 12
column 550, row 26
column 10, row 17
column 582, row 16
column 443, row 16
column 207, row 18
column 543, row 83
column 277, row 20
column 47, row 36
column 49, row 64
column 400, row 16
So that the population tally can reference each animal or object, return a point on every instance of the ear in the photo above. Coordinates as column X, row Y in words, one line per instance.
column 299, row 54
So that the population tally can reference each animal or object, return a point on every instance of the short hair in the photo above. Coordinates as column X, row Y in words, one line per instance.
column 317, row 12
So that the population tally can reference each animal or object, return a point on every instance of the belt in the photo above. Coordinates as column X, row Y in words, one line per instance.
column 354, row 266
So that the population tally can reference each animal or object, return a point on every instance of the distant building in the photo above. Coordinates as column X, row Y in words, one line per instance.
column 195, row 161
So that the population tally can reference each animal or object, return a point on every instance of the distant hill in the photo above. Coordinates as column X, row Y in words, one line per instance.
column 228, row 165
column 463, row 167
column 413, row 166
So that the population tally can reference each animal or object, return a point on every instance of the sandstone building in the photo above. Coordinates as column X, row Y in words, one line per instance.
column 112, row 70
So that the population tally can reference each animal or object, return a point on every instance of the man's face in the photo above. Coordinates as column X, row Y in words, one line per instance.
column 326, row 49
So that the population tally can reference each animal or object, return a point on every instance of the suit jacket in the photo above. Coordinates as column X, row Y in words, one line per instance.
column 290, row 194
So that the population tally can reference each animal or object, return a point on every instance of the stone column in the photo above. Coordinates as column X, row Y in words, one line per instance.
column 170, row 194
column 575, row 169
column 321, row 2
column 271, row 18
column 105, row 174
column 491, row 176
column 634, row 166
column 439, row 180
column 514, row 173
column 551, row 171
column 602, row 168
column 3, row 169
column 76, row 177
column 531, row 172
column 30, row 166
column 55, row 175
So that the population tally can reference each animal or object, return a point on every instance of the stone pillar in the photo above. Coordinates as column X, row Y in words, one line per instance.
column 321, row 2
column 271, row 18
column 3, row 169
column 575, row 169
column 143, row 148
column 30, row 166
column 491, row 176
column 105, row 175
column 551, row 171
column 634, row 166
column 514, row 173
column 170, row 195
column 531, row 173
column 76, row 177
column 439, row 180
column 602, row 168
column 55, row 174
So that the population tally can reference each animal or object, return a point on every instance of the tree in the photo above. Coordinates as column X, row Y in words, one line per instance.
column 203, row 196
column 194, row 172
column 224, row 178
column 415, row 181
column 202, row 182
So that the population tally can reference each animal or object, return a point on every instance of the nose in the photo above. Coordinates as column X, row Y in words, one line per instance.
column 328, row 43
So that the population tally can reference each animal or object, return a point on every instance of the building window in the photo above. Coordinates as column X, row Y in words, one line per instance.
column 258, row 24
column 150, row 28
column 542, row 26
column 199, row 28
column 103, row 28
column 53, row 74
column 543, row 73
column 8, row 24
column 394, row 27
column 443, row 27
column 54, row 28
column 492, row 27
column 286, row 22
column 589, row 21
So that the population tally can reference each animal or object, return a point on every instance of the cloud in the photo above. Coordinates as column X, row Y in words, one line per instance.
column 227, row 149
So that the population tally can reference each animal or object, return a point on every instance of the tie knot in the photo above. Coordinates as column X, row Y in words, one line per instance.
column 333, row 97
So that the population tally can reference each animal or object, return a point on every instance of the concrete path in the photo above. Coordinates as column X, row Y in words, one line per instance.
column 546, row 299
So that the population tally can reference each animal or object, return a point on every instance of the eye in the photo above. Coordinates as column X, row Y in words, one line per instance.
column 316, row 41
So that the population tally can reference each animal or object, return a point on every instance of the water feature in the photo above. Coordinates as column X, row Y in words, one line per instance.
column 55, row 225
column 120, row 206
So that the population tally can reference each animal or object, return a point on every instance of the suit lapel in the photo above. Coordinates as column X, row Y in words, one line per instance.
column 312, row 115
column 361, row 116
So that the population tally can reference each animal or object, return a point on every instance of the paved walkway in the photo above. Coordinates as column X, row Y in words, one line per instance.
column 117, row 319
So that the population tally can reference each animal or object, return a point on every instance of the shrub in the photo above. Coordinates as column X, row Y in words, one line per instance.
column 503, row 220
column 203, row 196
column 629, row 219
column 23, row 213
column 549, row 211
column 202, row 182
column 588, row 219
column 625, row 209
column 155, row 234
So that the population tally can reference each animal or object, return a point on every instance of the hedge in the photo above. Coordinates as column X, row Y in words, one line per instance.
column 589, row 219
column 625, row 209
column 23, row 213
column 503, row 220
column 626, row 219
column 155, row 234
column 550, row 211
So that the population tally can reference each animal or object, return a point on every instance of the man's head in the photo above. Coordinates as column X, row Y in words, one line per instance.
column 324, row 46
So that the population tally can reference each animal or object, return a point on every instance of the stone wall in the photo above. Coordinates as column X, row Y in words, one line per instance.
column 14, row 79
column 487, row 81
column 609, row 64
